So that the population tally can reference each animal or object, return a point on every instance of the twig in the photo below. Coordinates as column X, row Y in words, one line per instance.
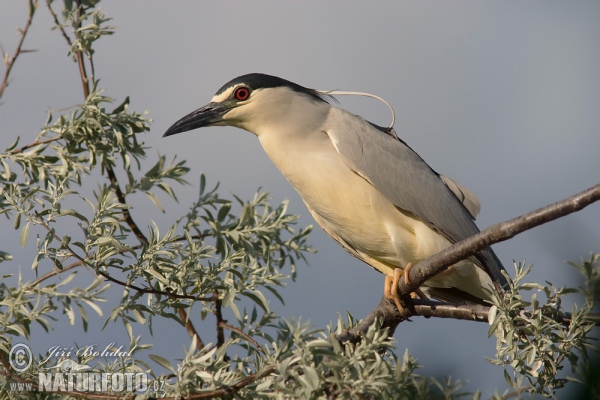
column 77, row 263
column 115, row 280
column 516, row 392
column 184, row 238
column 86, row 92
column 79, row 54
column 220, row 320
column 190, row 328
column 242, row 334
column 48, row 3
column 229, row 389
column 470, row 312
column 109, row 170
column 56, row 272
column 390, row 318
column 480, row 313
column 33, row 144
column 152, row 291
column 126, row 214
column 11, row 61
column 433, row 265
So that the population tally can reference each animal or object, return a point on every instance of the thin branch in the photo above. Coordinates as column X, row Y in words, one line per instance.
column 109, row 170
column 229, row 390
column 84, row 79
column 220, row 320
column 77, row 263
column 11, row 61
column 79, row 54
column 126, row 214
column 470, row 312
column 86, row 92
column 516, row 392
column 33, row 144
column 117, row 281
column 242, row 334
column 184, row 238
column 480, row 313
column 190, row 328
column 151, row 291
column 62, row 29
column 390, row 317
column 175, row 239
column 57, row 271
column 432, row 266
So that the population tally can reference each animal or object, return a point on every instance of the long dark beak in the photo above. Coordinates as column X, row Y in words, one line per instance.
column 208, row 115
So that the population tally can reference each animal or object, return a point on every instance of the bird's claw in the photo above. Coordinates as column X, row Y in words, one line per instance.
column 406, row 271
column 418, row 292
column 391, row 291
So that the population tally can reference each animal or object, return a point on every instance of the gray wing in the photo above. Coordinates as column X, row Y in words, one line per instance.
column 392, row 167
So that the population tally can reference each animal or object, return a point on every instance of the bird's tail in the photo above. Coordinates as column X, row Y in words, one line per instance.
column 493, row 266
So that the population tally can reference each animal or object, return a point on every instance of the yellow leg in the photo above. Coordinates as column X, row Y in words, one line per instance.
column 390, row 290
column 390, row 287
column 406, row 271
column 418, row 292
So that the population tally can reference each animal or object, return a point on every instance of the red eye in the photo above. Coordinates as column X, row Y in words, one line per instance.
column 242, row 93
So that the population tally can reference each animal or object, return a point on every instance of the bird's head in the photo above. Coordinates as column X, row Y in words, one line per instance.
column 255, row 102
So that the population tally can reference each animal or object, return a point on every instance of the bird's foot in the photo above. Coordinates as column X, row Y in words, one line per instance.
column 418, row 292
column 391, row 291
column 406, row 271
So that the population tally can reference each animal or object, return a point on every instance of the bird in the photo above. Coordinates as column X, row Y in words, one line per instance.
column 367, row 189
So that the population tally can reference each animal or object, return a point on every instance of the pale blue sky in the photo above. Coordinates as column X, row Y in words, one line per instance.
column 503, row 97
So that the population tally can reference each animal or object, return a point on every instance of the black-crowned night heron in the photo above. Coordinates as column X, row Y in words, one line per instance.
column 365, row 187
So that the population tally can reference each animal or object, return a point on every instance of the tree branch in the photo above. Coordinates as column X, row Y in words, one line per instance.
column 115, row 280
column 390, row 317
column 33, row 144
column 58, row 24
column 79, row 54
column 86, row 92
column 190, row 328
column 56, row 271
column 433, row 265
column 516, row 392
column 150, row 291
column 230, row 389
column 220, row 320
column 126, row 214
column 10, row 61
column 243, row 334
column 109, row 170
